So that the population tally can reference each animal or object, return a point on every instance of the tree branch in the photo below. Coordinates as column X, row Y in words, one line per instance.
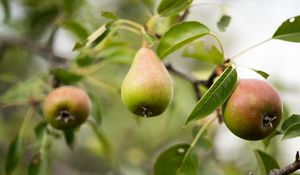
column 32, row 46
column 288, row 169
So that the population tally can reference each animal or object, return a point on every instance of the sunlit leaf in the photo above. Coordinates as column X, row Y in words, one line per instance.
column 170, row 162
column 180, row 35
column 109, row 15
column 172, row 7
column 200, row 51
column 289, row 30
column 292, row 131
column 294, row 119
column 14, row 155
column 76, row 28
column 266, row 162
column 261, row 73
column 216, row 95
column 223, row 22
column 65, row 76
column 98, row 35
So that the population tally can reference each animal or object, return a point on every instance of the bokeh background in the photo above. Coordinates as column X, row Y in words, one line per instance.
column 136, row 142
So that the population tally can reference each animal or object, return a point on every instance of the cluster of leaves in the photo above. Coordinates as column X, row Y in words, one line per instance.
column 98, row 47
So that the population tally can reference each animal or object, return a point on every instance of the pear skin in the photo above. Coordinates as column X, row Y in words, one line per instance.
column 147, row 88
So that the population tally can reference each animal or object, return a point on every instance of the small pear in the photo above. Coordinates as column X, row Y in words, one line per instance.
column 147, row 88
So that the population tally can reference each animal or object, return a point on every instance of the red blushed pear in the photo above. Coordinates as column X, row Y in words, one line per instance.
column 253, row 110
column 147, row 88
column 67, row 107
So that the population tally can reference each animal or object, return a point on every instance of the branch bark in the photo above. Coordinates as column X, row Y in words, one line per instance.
column 288, row 169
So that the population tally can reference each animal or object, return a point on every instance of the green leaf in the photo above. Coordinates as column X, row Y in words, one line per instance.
column 266, row 162
column 96, row 108
column 118, row 52
column 172, row 7
column 85, row 60
column 23, row 90
column 76, row 28
column 66, row 76
column 39, row 131
column 294, row 119
column 216, row 95
column 261, row 73
column 204, row 143
column 70, row 138
column 34, row 165
column 150, row 38
column 180, row 35
column 200, row 51
column 6, row 9
column 292, row 131
column 109, row 15
column 44, row 16
column 223, row 22
column 72, row 6
column 15, row 152
column 170, row 161
column 289, row 30
column 77, row 46
column 97, row 36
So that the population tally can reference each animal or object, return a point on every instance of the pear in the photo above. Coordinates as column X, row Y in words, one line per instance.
column 147, row 88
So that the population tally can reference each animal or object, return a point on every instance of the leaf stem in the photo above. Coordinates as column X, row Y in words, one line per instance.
column 131, row 23
column 151, row 22
column 194, row 142
column 219, row 42
column 249, row 48
column 100, row 84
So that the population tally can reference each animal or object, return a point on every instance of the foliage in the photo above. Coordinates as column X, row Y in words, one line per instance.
column 113, row 140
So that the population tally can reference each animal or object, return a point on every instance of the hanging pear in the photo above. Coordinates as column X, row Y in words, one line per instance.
column 147, row 88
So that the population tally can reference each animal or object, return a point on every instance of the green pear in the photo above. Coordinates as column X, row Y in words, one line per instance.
column 254, row 109
column 147, row 88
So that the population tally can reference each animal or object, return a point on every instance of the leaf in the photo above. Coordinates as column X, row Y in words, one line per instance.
column 204, row 143
column 39, row 131
column 118, row 52
column 170, row 161
column 6, row 9
column 109, row 15
column 223, row 22
column 96, row 108
column 70, row 138
column 15, row 152
column 150, row 38
column 294, row 119
column 34, row 165
column 266, row 162
column 23, row 90
column 200, row 51
column 66, row 76
column 72, row 6
column 44, row 16
column 216, row 95
column 289, row 30
column 76, row 28
column 292, row 131
column 77, row 46
column 84, row 60
column 180, row 35
column 172, row 7
column 261, row 73
column 97, row 36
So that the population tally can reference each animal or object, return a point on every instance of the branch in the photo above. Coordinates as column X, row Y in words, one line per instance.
column 183, row 16
column 288, row 169
column 28, row 44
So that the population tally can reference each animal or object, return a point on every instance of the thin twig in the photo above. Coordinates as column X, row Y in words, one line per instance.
column 33, row 46
column 184, row 15
column 288, row 169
